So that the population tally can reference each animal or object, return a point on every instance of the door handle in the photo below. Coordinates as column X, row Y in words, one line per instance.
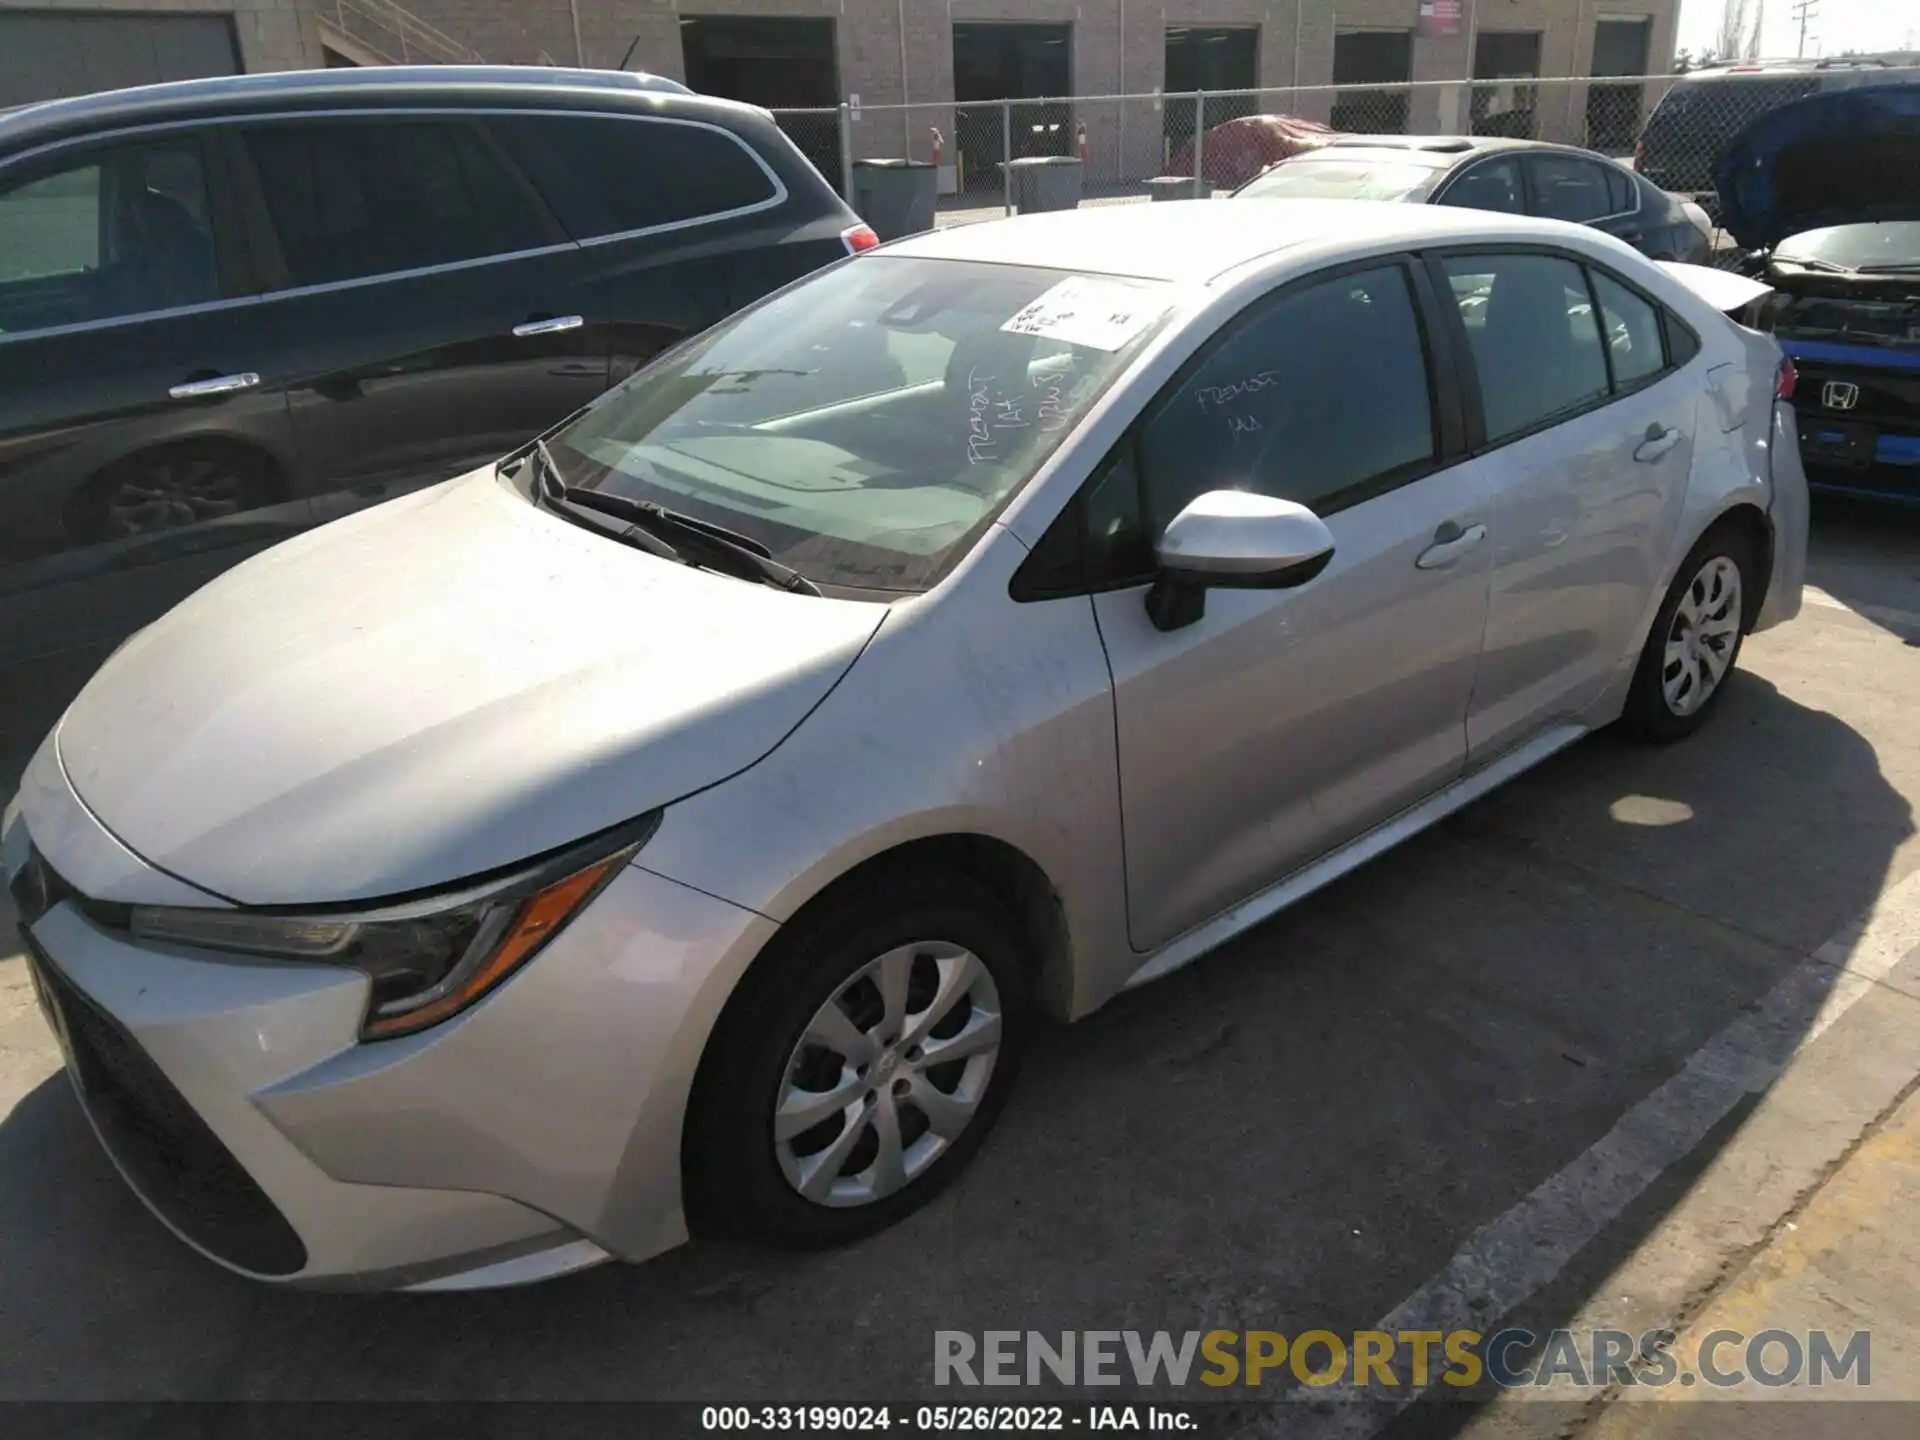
column 219, row 385
column 1450, row 542
column 1657, row 443
column 552, row 325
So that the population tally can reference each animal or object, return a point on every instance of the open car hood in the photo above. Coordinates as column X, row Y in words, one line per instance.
column 1841, row 158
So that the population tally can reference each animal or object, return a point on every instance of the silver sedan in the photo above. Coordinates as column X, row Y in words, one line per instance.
column 682, row 825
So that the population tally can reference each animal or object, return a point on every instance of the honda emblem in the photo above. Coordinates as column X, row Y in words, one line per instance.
column 1839, row 394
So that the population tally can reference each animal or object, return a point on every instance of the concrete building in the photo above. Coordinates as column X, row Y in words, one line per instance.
column 934, row 55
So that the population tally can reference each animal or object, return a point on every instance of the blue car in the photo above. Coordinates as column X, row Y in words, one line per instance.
column 1828, row 189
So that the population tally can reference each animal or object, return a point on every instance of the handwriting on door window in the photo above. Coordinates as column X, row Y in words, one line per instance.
column 1218, row 397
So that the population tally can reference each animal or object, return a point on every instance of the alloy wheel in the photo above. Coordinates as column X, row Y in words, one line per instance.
column 890, row 1071
column 174, row 493
column 1703, row 637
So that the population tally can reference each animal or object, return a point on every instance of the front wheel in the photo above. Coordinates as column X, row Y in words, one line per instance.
column 860, row 1065
column 1694, row 643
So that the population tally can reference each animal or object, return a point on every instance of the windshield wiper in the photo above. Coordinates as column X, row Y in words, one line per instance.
column 1897, row 267
column 1814, row 262
column 720, row 548
column 552, row 489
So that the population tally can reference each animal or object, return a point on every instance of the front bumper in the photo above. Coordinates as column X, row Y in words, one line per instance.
column 533, row 1134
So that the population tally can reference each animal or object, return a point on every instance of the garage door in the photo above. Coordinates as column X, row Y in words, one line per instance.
column 46, row 54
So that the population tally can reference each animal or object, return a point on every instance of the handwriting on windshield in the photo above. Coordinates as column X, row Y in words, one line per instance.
column 1218, row 397
column 1060, row 402
column 994, row 411
column 981, row 446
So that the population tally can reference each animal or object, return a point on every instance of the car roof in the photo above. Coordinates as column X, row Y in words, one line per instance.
column 1196, row 241
column 386, row 84
column 1439, row 151
column 1892, row 60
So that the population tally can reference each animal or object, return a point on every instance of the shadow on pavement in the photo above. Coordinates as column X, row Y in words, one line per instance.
column 1866, row 554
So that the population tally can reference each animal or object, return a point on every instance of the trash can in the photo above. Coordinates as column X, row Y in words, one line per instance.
column 1045, row 182
column 1170, row 187
column 895, row 197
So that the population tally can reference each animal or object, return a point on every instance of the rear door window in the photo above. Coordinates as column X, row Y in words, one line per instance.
column 1632, row 327
column 1566, row 188
column 1535, row 343
column 350, row 199
column 1620, row 196
column 1489, row 185
column 612, row 174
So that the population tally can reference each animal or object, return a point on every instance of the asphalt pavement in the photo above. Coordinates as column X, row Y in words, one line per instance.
column 1584, row 1050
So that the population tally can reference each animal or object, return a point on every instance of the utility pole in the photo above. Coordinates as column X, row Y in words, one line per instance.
column 1804, row 10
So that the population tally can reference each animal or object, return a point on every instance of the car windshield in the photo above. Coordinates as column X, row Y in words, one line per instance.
column 1315, row 177
column 866, row 425
column 1858, row 247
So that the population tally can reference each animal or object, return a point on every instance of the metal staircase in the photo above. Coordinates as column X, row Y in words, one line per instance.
column 379, row 32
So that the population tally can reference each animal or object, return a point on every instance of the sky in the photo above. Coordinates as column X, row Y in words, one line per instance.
column 1837, row 25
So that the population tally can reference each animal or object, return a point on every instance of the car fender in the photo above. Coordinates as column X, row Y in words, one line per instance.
column 969, row 714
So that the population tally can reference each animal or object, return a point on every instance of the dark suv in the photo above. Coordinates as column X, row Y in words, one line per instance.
column 1705, row 109
column 231, row 309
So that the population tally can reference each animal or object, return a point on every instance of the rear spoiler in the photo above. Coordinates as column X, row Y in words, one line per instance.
column 1730, row 293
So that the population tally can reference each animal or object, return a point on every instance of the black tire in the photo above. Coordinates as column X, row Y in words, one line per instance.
column 212, row 479
column 735, row 1183
column 1649, row 716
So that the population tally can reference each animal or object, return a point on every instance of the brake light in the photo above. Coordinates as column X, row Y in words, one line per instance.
column 1787, row 379
column 858, row 237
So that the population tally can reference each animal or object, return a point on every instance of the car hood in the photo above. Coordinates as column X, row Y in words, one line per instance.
column 433, row 689
column 1839, row 158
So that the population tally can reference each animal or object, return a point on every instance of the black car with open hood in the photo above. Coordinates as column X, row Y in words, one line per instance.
column 1828, row 189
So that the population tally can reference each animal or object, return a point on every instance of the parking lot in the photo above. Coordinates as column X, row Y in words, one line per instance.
column 1485, row 1075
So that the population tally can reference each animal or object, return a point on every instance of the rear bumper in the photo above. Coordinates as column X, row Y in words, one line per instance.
column 1788, row 511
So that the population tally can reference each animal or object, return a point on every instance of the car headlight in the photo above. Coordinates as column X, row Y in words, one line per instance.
column 429, row 958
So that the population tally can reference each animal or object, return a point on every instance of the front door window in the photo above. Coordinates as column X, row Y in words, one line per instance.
column 121, row 232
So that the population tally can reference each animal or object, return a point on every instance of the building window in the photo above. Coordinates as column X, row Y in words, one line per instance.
column 1505, row 63
column 1372, row 57
column 1613, row 111
column 1210, row 58
column 1011, row 62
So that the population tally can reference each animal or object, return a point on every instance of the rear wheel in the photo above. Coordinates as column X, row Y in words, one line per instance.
column 860, row 1065
column 1695, row 641
column 168, row 489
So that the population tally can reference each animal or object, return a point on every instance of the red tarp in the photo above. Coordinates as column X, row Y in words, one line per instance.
column 1238, row 150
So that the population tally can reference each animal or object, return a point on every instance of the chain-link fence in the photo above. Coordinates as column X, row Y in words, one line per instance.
column 1134, row 147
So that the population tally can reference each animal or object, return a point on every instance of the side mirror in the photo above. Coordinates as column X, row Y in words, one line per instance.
column 1234, row 539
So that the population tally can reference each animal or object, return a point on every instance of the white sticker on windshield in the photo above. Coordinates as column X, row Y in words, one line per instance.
column 1099, row 314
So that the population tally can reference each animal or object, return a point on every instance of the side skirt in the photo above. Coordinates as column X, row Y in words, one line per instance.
column 1185, row 949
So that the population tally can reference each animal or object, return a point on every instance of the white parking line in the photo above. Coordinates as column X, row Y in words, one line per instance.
column 1506, row 1261
column 1882, row 614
